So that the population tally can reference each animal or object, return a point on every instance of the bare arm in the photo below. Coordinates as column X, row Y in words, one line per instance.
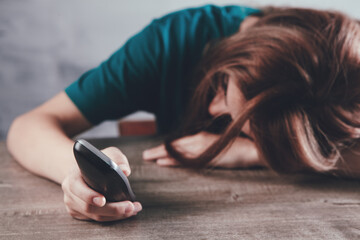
column 40, row 140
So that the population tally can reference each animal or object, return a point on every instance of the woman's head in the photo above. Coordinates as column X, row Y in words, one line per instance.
column 298, row 71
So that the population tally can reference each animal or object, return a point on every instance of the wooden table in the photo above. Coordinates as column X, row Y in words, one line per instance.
column 184, row 204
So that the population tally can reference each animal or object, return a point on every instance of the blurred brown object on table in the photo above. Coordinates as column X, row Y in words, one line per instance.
column 137, row 127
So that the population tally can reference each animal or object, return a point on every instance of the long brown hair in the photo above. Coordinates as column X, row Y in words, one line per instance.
column 299, row 70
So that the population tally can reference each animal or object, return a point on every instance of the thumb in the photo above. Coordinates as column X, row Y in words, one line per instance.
column 119, row 158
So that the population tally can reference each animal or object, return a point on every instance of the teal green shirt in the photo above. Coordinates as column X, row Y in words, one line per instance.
column 152, row 71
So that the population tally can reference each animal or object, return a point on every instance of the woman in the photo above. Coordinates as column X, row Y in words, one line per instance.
column 275, row 87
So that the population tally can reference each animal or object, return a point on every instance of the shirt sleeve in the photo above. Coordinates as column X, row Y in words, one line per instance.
column 126, row 82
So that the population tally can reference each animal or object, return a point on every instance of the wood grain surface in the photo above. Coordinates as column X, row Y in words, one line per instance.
column 186, row 204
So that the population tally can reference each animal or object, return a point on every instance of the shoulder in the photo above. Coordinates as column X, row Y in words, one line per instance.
column 222, row 18
column 210, row 12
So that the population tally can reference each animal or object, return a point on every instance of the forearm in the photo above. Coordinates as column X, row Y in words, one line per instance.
column 41, row 145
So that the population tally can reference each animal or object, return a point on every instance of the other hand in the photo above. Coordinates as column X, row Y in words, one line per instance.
column 241, row 154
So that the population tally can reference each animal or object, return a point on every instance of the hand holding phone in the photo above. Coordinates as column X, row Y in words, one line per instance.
column 101, row 173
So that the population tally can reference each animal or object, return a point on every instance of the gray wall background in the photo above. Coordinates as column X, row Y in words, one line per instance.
column 47, row 44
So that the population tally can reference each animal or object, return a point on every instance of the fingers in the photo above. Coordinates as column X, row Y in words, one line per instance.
column 155, row 153
column 75, row 185
column 161, row 156
column 86, row 204
column 167, row 162
column 76, row 214
column 119, row 158
column 110, row 212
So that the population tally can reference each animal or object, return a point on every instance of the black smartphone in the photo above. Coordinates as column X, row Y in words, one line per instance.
column 101, row 173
